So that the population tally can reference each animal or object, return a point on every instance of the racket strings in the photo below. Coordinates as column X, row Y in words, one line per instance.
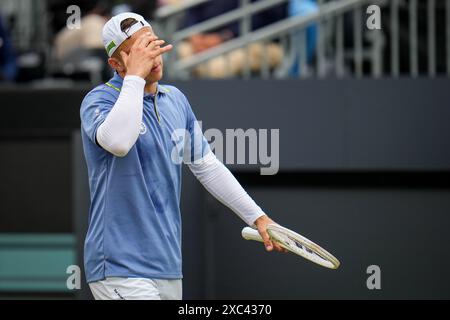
column 298, row 247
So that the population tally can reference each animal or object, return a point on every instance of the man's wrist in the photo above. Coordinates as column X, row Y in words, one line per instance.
column 261, row 219
column 134, row 77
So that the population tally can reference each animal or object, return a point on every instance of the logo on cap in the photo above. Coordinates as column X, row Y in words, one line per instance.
column 110, row 46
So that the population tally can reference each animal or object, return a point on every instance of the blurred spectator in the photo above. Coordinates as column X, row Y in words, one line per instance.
column 168, row 2
column 145, row 8
column 8, row 66
column 232, row 63
column 301, row 8
column 88, row 36
column 214, row 8
column 120, row 8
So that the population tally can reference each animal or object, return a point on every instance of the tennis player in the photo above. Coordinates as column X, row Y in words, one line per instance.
column 133, row 244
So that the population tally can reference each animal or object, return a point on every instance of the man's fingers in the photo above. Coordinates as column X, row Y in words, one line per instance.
column 140, row 39
column 144, row 40
column 162, row 50
column 166, row 48
column 156, row 52
column 124, row 56
column 148, row 40
column 278, row 247
column 269, row 245
column 267, row 242
column 154, row 44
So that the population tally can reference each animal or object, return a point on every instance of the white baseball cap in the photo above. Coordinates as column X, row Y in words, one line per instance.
column 113, row 36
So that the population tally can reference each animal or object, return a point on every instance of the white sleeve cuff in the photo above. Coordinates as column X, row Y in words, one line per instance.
column 134, row 78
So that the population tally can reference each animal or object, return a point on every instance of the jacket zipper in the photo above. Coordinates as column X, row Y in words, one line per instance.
column 155, row 104
column 155, row 107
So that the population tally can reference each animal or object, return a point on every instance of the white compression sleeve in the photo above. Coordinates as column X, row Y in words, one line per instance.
column 221, row 183
column 120, row 130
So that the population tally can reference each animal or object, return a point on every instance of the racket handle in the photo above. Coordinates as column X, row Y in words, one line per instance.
column 251, row 234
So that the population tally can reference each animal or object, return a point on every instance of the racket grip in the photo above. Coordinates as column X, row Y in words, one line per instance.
column 251, row 234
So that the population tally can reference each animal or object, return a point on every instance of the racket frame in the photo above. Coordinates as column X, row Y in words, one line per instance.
column 319, row 255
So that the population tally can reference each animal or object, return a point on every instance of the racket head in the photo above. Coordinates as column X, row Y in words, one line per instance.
column 302, row 246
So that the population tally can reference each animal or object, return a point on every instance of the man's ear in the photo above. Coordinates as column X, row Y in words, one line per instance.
column 116, row 64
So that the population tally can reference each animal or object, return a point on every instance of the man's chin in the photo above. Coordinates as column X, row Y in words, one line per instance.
column 151, row 78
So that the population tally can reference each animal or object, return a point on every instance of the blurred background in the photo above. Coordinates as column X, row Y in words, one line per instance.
column 357, row 88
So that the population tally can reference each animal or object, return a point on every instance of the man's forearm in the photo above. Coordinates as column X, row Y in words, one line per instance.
column 221, row 183
column 120, row 130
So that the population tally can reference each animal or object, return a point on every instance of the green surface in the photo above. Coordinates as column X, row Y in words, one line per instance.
column 35, row 262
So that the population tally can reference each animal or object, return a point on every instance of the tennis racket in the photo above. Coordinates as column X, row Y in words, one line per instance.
column 295, row 243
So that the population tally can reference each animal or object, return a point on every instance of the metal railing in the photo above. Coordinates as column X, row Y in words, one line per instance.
column 404, row 46
column 169, row 11
column 414, row 40
column 290, row 33
column 30, row 29
column 421, row 37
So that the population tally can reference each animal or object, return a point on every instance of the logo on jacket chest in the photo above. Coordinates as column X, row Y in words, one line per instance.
column 143, row 128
